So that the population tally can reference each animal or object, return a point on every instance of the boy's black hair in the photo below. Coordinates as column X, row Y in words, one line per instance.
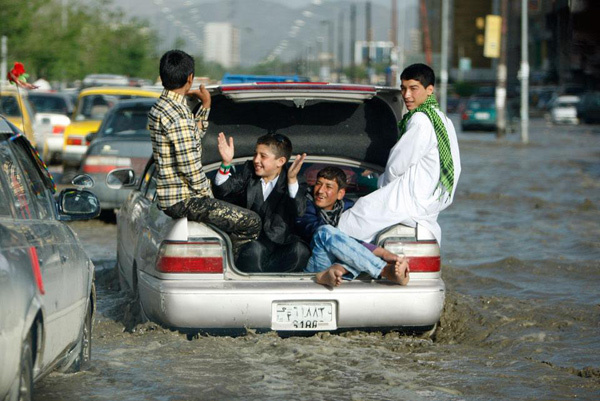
column 419, row 72
column 334, row 173
column 281, row 144
column 175, row 67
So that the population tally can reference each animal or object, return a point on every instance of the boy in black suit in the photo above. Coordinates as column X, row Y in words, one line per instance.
column 268, row 187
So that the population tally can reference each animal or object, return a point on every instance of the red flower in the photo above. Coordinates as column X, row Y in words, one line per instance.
column 18, row 69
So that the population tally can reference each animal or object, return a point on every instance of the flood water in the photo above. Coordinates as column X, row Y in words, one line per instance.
column 521, row 262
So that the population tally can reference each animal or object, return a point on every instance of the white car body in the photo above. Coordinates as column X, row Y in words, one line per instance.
column 222, row 297
column 51, row 128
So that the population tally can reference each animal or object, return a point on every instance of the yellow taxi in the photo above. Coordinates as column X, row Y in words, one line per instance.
column 18, row 110
column 92, row 105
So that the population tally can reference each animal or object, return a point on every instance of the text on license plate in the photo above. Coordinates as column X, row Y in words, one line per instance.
column 303, row 316
column 482, row 115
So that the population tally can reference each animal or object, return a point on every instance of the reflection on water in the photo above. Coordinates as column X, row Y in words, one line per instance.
column 521, row 255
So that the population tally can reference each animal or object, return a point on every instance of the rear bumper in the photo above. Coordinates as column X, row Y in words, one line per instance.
column 227, row 304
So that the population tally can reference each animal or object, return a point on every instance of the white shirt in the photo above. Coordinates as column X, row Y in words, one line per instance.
column 267, row 187
column 408, row 189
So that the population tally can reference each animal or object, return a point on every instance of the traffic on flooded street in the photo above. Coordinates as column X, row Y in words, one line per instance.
column 299, row 200
column 520, row 319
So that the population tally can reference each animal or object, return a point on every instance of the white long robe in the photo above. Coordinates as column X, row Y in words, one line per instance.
column 408, row 189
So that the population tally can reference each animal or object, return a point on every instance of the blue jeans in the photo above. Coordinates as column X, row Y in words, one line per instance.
column 331, row 246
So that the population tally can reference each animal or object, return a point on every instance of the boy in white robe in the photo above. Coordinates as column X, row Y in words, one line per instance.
column 417, row 183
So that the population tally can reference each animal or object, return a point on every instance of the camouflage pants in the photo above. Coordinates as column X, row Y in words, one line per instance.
column 242, row 225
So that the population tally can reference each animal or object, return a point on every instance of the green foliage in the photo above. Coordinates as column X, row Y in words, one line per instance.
column 83, row 38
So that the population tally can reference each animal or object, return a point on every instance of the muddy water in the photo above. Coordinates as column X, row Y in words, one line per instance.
column 521, row 254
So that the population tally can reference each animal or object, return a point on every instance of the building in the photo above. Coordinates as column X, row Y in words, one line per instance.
column 222, row 44
column 376, row 51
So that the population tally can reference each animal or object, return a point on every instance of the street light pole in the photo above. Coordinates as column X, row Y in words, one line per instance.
column 524, row 74
column 444, row 55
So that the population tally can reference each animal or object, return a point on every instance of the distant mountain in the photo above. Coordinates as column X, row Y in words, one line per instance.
column 263, row 24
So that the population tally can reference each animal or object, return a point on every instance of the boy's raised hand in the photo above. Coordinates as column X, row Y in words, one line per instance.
column 226, row 149
column 295, row 168
column 202, row 94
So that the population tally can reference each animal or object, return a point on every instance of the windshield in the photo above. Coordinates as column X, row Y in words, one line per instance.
column 49, row 104
column 126, row 121
column 94, row 107
column 9, row 106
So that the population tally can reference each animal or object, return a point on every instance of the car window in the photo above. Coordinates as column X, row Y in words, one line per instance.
column 5, row 201
column 361, row 181
column 151, row 188
column 40, row 192
column 9, row 106
column 146, row 179
column 16, row 185
column 49, row 104
column 126, row 120
column 95, row 107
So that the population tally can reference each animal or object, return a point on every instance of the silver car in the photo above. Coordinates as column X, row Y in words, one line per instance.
column 183, row 271
column 46, row 280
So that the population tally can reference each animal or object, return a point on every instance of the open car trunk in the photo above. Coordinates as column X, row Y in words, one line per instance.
column 319, row 122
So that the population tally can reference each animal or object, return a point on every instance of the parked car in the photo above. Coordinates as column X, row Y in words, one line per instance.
column 183, row 271
column 104, row 80
column 53, row 111
column 47, row 295
column 16, row 108
column 480, row 114
column 92, row 106
column 123, row 140
column 588, row 109
column 564, row 110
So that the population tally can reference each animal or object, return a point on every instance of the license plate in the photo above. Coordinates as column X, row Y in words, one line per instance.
column 298, row 316
column 482, row 115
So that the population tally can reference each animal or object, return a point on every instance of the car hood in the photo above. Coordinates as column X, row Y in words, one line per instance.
column 352, row 121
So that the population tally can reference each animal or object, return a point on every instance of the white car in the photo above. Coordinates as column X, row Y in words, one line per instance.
column 564, row 110
column 47, row 295
column 183, row 271
column 51, row 118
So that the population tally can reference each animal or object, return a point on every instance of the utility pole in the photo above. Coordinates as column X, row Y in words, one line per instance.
column 3, row 52
column 524, row 73
column 425, row 29
column 369, row 37
column 394, row 39
column 352, row 41
column 501, row 83
column 444, row 55
column 340, row 64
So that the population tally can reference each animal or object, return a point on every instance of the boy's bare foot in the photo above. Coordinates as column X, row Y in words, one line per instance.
column 389, row 256
column 397, row 272
column 332, row 276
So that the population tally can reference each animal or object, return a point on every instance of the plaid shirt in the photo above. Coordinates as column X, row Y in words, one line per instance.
column 177, row 149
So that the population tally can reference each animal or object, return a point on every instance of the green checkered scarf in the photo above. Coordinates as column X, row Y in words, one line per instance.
column 446, row 165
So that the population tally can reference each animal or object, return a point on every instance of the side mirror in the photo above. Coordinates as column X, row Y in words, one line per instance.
column 90, row 137
column 83, row 181
column 75, row 204
column 121, row 178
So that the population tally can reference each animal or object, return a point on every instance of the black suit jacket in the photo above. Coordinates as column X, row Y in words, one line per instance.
column 278, row 212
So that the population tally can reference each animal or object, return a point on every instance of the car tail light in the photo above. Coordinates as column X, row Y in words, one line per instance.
column 190, row 257
column 423, row 256
column 104, row 164
column 58, row 129
column 76, row 140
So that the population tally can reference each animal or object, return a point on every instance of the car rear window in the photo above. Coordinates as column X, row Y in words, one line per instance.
column 49, row 104
column 126, row 121
column 9, row 106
